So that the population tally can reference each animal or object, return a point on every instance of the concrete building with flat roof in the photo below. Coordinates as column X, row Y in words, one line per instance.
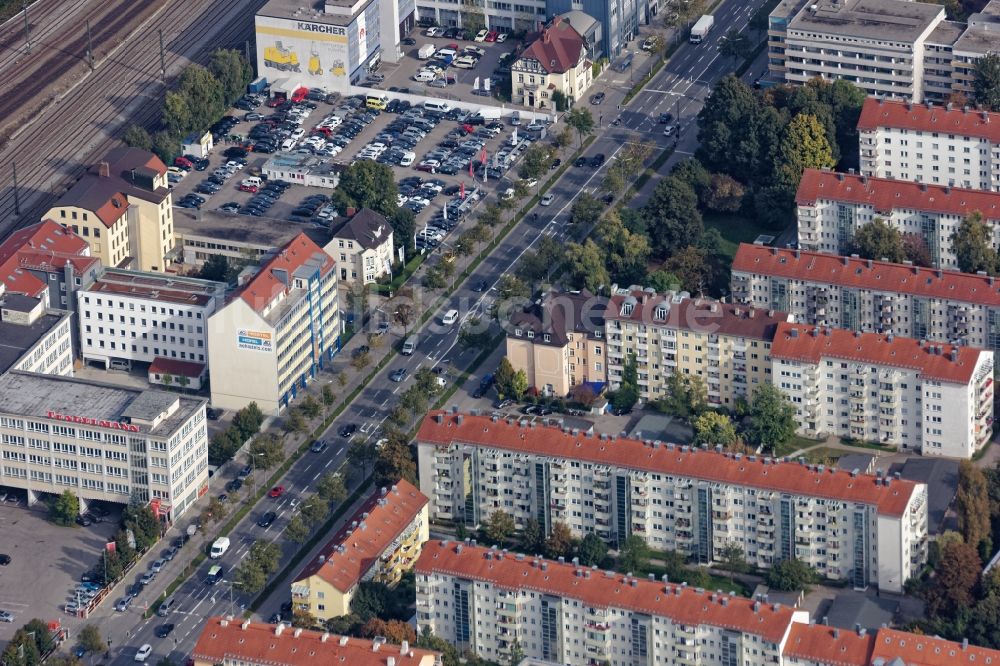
column 131, row 316
column 300, row 169
column 34, row 338
column 102, row 442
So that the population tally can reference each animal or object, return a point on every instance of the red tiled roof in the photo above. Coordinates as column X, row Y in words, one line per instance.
column 388, row 516
column 916, row 650
column 884, row 195
column 682, row 604
column 697, row 314
column 176, row 367
column 43, row 246
column 557, row 49
column 692, row 463
column 266, row 284
column 878, row 112
column 874, row 348
column 261, row 644
column 818, row 643
column 865, row 274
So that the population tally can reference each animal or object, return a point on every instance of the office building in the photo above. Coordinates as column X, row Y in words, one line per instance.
column 831, row 207
column 555, row 62
column 301, row 169
column 863, row 530
column 122, row 208
column 280, row 328
column 34, row 338
column 130, row 316
column 930, row 398
column 619, row 20
column 725, row 345
column 559, row 342
column 363, row 248
column 228, row 642
column 379, row 543
column 933, row 144
column 102, row 442
column 328, row 44
column 871, row 296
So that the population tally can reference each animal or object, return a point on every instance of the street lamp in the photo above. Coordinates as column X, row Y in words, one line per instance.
column 253, row 471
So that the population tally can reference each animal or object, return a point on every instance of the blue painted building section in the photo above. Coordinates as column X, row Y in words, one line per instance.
column 323, row 350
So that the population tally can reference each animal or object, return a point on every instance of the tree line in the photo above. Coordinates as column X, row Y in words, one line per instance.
column 224, row 444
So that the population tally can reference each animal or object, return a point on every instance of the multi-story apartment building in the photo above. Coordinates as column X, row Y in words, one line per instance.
column 932, row 398
column 849, row 526
column 871, row 296
column 122, row 208
column 559, row 342
column 226, row 642
column 831, row 207
column 938, row 145
column 138, row 317
column 102, row 442
column 561, row 613
column 380, row 542
column 365, row 248
column 34, row 338
column 889, row 48
column 726, row 345
column 281, row 328
column 487, row 600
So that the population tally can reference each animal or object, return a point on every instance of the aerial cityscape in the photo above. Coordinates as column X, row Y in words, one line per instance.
column 437, row 333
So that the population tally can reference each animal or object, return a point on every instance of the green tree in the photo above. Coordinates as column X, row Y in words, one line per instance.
column 734, row 44
column 499, row 527
column 663, row 280
column 539, row 263
column 267, row 450
column 414, row 400
column 393, row 462
column 491, row 215
column 250, row 577
column 672, row 216
column 367, row 184
column 559, row 100
column 310, row 406
column 804, row 145
column 532, row 539
column 295, row 422
column 733, row 560
column 327, row 396
column 314, row 510
column 687, row 396
column 137, row 137
column 592, row 550
column 248, row 421
column 582, row 122
column 90, row 638
column 510, row 383
column 215, row 268
column 65, row 508
column 361, row 454
column 626, row 254
column 586, row 210
column 404, row 225
column 877, row 240
column 331, row 487
column 585, row 267
column 204, row 96
column 633, row 555
column 404, row 315
column 166, row 146
column 223, row 446
column 692, row 172
column 972, row 244
column 729, row 132
column 537, row 160
column 972, row 503
column 232, row 72
column 560, row 542
column 772, row 417
column 986, row 84
column 711, row 428
column 955, row 579
column 177, row 113
column 791, row 575
column 296, row 530
column 724, row 194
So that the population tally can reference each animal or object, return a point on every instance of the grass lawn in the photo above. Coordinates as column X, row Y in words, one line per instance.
column 824, row 454
column 735, row 229
column 794, row 444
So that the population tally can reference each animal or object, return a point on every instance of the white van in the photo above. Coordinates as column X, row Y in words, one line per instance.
column 449, row 317
column 219, row 548
column 446, row 53
column 410, row 346
column 407, row 158
column 252, row 181
column 435, row 105
column 423, row 76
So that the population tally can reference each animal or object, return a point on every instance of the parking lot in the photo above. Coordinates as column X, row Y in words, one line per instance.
column 46, row 563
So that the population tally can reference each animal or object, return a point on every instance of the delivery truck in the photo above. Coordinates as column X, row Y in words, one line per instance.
column 426, row 51
column 701, row 28
column 219, row 548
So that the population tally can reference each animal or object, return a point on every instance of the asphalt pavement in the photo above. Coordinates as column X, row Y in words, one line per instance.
column 678, row 88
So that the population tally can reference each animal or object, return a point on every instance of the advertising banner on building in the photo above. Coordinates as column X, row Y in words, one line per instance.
column 316, row 51
column 258, row 341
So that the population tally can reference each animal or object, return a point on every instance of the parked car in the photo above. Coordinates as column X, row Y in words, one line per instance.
column 6, row 616
column 277, row 491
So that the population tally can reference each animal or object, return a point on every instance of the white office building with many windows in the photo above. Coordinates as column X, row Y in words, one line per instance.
column 133, row 316
column 860, row 529
column 102, row 442
column 926, row 397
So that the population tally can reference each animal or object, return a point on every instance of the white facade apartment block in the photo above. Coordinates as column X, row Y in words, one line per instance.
column 938, row 145
column 562, row 613
column 34, row 339
column 831, row 207
column 871, row 296
column 102, row 442
column 280, row 329
column 675, row 497
column 930, row 398
column 135, row 316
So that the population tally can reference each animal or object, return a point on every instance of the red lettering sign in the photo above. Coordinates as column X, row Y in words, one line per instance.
column 83, row 420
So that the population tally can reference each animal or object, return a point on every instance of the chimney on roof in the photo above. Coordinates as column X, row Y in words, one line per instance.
column 947, row 189
column 325, row 637
column 103, row 169
column 297, row 632
column 351, row 211
column 278, row 628
column 923, row 187
column 965, row 643
column 840, row 176
column 949, row 106
column 986, row 117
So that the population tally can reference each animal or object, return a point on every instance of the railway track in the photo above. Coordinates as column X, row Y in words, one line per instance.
column 71, row 132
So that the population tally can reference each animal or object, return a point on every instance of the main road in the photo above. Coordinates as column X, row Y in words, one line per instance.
column 687, row 77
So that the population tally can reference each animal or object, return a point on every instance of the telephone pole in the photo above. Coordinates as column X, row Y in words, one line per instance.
column 90, row 48
column 163, row 59
column 17, row 198
column 27, row 29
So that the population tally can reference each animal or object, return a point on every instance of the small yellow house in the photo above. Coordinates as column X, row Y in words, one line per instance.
column 555, row 62
column 378, row 543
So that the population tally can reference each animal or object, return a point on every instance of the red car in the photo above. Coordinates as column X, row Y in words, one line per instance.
column 183, row 163
column 299, row 94
column 252, row 189
column 453, row 46
column 276, row 101
column 277, row 491
column 491, row 36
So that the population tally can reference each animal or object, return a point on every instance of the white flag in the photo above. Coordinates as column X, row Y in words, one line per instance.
column 475, row 84
column 486, row 84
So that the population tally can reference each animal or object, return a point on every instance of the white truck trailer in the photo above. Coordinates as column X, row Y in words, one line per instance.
column 701, row 28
